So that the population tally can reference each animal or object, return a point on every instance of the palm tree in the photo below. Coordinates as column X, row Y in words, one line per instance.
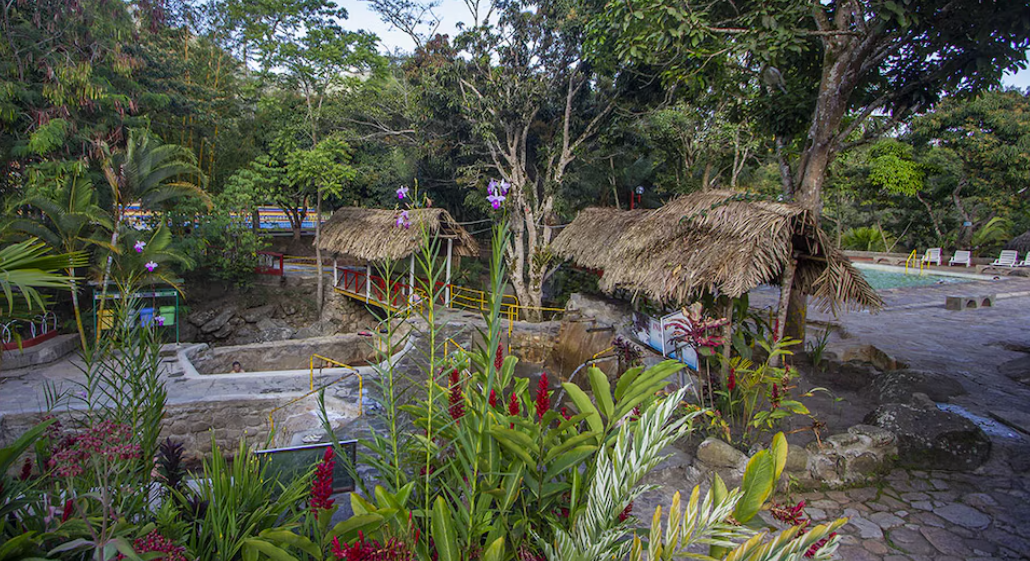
column 72, row 220
column 146, row 172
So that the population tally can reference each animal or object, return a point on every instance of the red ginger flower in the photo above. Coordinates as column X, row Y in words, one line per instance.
column 565, row 413
column 543, row 401
column 493, row 398
column 498, row 358
column 322, row 486
column 626, row 512
column 457, row 400
column 513, row 405
column 731, row 383
column 819, row 544
column 69, row 507
column 26, row 470
column 154, row 542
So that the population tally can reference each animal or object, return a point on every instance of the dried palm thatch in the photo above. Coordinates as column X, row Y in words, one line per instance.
column 371, row 234
column 714, row 240
column 1020, row 243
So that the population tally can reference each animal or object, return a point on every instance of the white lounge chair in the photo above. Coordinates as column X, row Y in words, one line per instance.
column 1026, row 262
column 961, row 258
column 1008, row 258
column 933, row 255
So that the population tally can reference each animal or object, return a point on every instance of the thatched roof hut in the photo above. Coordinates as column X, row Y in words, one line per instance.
column 1020, row 243
column 712, row 240
column 370, row 234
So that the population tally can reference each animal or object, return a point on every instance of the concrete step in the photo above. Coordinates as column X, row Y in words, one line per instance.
column 43, row 353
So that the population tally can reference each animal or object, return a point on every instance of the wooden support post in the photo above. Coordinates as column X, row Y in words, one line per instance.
column 411, row 276
column 336, row 278
column 447, row 280
column 368, row 282
column 786, row 283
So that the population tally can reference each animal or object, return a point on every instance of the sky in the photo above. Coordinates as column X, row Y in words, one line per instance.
column 453, row 11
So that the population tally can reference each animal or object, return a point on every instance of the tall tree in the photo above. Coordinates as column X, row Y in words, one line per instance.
column 867, row 56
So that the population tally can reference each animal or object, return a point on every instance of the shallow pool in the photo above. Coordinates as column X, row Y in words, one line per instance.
column 883, row 280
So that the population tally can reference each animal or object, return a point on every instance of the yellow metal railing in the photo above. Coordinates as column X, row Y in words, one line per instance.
column 914, row 258
column 313, row 390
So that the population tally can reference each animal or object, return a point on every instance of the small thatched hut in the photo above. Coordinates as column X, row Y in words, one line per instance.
column 370, row 236
column 1020, row 243
column 715, row 241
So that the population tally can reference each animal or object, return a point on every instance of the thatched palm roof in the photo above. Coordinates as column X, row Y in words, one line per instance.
column 1020, row 243
column 371, row 234
column 711, row 240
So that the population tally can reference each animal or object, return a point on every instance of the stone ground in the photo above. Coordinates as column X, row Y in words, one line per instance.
column 984, row 514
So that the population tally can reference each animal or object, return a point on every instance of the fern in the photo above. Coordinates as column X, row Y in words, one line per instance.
column 49, row 137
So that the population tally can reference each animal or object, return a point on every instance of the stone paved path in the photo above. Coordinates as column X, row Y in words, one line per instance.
column 929, row 515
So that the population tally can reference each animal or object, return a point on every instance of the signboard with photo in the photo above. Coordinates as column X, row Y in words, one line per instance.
column 658, row 334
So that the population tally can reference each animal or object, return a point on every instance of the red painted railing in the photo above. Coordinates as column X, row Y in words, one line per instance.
column 269, row 263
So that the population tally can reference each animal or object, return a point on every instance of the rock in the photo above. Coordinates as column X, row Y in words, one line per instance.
column 885, row 520
column 252, row 315
column 929, row 438
column 851, row 457
column 866, row 530
column 320, row 328
column 201, row 317
column 898, row 386
column 850, row 376
column 945, row 541
column 963, row 515
column 265, row 324
column 797, row 459
column 1017, row 369
column 718, row 454
column 219, row 321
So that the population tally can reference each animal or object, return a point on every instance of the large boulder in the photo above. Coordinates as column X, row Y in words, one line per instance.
column 219, row 321
column 899, row 386
column 850, row 376
column 929, row 438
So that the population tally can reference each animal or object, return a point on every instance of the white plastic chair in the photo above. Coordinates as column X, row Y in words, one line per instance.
column 933, row 255
column 1026, row 262
column 1008, row 258
column 961, row 258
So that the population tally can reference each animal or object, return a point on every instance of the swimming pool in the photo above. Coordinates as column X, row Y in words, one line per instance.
column 882, row 277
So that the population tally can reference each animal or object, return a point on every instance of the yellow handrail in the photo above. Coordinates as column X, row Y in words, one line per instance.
column 311, row 367
column 354, row 372
column 910, row 259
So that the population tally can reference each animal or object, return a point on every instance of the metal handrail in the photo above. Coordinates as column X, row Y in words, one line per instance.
column 354, row 372
column 910, row 259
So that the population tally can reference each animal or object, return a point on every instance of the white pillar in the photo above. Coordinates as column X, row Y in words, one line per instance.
column 368, row 281
column 336, row 279
column 411, row 276
column 447, row 280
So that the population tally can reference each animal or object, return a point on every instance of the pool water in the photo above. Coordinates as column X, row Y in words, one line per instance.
column 883, row 280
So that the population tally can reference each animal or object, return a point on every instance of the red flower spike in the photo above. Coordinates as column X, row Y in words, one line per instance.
column 454, row 378
column 322, row 486
column 565, row 413
column 498, row 358
column 513, row 406
column 457, row 400
column 26, row 470
column 69, row 507
column 731, row 383
column 635, row 416
column 493, row 398
column 543, row 400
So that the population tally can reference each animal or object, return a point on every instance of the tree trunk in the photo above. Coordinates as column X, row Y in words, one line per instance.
column 933, row 218
column 788, row 294
column 318, row 251
column 107, row 274
column 75, row 307
column 965, row 233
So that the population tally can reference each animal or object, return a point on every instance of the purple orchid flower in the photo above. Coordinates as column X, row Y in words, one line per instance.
column 403, row 221
column 505, row 187
column 492, row 187
column 402, row 192
column 139, row 246
column 150, row 265
column 159, row 320
column 496, row 200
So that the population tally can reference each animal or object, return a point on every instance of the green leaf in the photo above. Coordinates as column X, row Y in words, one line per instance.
column 495, row 552
column 626, row 380
column 516, row 442
column 584, row 405
column 757, row 486
column 444, row 534
column 348, row 529
column 602, row 391
column 289, row 538
column 9, row 454
column 267, row 549
column 569, row 459
column 778, row 449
